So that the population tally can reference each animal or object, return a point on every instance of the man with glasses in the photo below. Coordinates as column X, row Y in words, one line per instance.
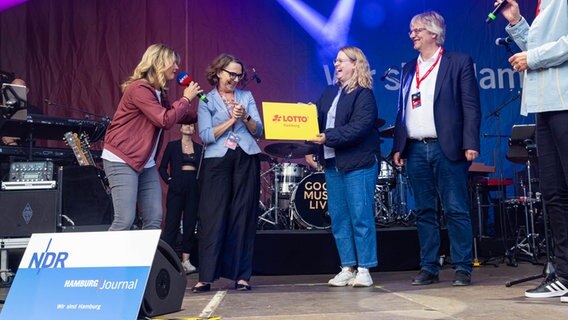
column 437, row 133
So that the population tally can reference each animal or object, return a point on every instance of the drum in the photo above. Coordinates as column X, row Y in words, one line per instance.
column 386, row 173
column 309, row 202
column 289, row 176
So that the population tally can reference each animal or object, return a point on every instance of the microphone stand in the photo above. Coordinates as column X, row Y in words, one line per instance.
column 502, row 106
column 86, row 114
column 101, row 127
column 548, row 270
column 508, row 48
column 254, row 77
column 387, row 75
column 501, row 189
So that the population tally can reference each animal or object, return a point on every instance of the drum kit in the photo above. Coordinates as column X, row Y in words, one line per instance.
column 391, row 192
column 292, row 196
column 295, row 197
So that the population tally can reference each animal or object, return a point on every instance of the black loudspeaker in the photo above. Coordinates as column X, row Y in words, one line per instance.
column 28, row 211
column 166, row 283
column 85, row 204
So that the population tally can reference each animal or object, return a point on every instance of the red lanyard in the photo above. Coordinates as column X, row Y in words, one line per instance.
column 418, row 79
column 537, row 8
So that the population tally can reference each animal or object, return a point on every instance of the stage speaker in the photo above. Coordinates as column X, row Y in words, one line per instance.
column 28, row 211
column 166, row 283
column 85, row 203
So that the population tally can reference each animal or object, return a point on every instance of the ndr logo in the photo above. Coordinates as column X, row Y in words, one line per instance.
column 48, row 259
column 278, row 118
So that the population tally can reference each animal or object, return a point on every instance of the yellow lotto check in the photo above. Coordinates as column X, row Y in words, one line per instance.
column 290, row 121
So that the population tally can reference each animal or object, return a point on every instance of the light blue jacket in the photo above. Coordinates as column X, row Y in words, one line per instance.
column 545, row 87
column 215, row 112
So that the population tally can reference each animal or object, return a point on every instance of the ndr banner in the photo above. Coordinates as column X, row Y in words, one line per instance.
column 89, row 275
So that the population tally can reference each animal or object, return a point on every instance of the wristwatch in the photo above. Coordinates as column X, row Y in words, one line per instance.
column 248, row 118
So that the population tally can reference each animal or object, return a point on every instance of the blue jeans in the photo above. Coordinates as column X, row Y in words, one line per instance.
column 351, row 208
column 432, row 175
column 129, row 188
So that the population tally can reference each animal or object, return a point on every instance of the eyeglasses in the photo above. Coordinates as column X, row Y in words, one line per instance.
column 341, row 60
column 234, row 76
column 416, row 31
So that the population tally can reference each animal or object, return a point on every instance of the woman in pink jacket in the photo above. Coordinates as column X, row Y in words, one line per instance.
column 134, row 135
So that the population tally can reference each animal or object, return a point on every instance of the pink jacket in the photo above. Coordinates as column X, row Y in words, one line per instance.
column 135, row 126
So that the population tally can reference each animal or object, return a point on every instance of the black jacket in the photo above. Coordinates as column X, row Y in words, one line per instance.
column 355, row 139
column 173, row 157
column 457, row 114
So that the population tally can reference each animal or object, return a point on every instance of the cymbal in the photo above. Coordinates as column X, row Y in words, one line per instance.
column 287, row 150
column 387, row 132
column 265, row 157
column 379, row 122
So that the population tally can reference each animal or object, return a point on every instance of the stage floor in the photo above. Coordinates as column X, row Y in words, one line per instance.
column 392, row 297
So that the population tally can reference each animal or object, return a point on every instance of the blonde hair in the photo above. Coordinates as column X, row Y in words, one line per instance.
column 434, row 23
column 156, row 60
column 362, row 75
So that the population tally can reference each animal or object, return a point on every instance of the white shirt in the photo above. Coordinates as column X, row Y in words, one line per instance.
column 420, row 120
column 329, row 153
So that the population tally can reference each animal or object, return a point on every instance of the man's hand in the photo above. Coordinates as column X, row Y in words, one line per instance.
column 397, row 160
column 470, row 155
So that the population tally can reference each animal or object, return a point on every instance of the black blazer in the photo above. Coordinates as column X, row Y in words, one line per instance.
column 354, row 137
column 173, row 157
column 457, row 114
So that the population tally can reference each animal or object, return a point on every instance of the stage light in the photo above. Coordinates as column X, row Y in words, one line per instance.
column 5, row 4
column 330, row 34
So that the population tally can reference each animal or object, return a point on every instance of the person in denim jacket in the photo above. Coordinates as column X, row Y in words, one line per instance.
column 544, row 61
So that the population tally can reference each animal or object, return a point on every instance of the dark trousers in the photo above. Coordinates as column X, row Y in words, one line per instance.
column 552, row 144
column 183, row 197
column 228, row 214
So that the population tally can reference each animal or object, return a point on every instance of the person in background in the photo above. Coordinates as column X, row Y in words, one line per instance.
column 437, row 132
column 544, row 60
column 348, row 150
column 14, row 141
column 230, row 177
column 132, row 139
column 182, row 157
column 6, row 161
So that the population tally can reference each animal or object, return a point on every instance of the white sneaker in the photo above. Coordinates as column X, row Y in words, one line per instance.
column 363, row 278
column 188, row 267
column 345, row 277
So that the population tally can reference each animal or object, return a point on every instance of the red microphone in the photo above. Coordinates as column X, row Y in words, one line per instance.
column 184, row 79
